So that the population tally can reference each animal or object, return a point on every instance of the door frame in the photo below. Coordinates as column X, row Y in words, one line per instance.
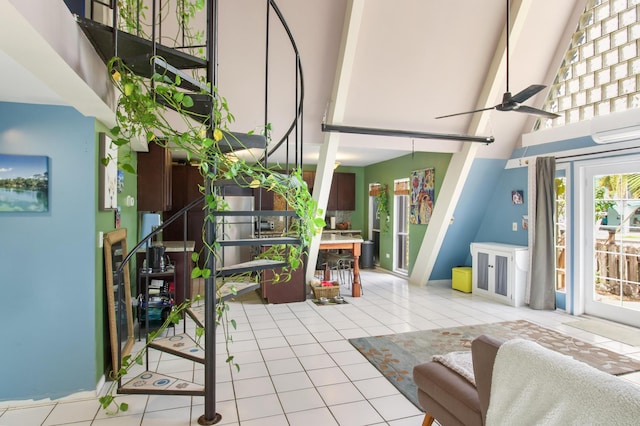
column 584, row 264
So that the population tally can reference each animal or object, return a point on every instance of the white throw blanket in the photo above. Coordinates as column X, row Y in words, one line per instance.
column 532, row 385
column 460, row 362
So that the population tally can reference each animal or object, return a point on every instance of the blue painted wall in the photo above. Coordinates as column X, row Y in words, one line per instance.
column 501, row 212
column 469, row 213
column 47, row 266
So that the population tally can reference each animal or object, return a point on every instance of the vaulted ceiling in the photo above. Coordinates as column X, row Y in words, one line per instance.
column 414, row 60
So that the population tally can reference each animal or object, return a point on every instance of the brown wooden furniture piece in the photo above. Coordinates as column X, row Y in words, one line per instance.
column 338, row 242
column 293, row 290
column 154, row 179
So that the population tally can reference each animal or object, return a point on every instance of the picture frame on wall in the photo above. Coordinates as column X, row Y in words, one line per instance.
column 24, row 183
column 422, row 187
column 108, row 174
column 517, row 197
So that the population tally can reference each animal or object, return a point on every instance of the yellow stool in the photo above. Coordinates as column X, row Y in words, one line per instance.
column 461, row 278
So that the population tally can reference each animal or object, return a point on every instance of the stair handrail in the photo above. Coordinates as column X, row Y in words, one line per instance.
column 299, row 108
column 159, row 229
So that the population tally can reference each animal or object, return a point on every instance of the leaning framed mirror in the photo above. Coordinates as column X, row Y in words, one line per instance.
column 120, row 311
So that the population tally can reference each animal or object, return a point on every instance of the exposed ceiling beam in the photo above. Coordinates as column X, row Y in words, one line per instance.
column 405, row 133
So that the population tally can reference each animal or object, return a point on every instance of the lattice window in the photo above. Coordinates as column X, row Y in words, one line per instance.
column 600, row 73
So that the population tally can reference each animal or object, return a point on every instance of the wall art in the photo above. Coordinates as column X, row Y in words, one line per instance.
column 108, row 191
column 517, row 197
column 24, row 183
column 422, row 184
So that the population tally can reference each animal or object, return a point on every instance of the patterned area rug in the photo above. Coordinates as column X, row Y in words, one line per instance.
column 395, row 355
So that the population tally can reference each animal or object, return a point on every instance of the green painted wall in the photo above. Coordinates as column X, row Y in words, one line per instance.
column 105, row 222
column 385, row 173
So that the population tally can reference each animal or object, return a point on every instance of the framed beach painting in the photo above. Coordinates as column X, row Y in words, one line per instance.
column 108, row 191
column 24, row 183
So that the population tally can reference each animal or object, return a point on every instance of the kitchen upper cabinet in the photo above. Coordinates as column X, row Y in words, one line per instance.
column 154, row 179
column 343, row 192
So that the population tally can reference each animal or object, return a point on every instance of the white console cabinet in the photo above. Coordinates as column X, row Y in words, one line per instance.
column 500, row 271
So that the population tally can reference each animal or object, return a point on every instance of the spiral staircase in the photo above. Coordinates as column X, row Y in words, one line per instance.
column 140, row 50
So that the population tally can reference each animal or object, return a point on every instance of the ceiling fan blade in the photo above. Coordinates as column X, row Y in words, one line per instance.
column 527, row 93
column 535, row 111
column 466, row 112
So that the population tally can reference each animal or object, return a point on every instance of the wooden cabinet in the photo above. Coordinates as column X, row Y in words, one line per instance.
column 309, row 177
column 293, row 290
column 154, row 179
column 263, row 199
column 499, row 271
column 341, row 197
column 343, row 192
column 185, row 189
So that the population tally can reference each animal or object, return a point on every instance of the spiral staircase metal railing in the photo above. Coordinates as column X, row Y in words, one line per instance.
column 145, row 54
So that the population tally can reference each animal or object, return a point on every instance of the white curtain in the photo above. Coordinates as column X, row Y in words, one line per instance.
column 541, row 291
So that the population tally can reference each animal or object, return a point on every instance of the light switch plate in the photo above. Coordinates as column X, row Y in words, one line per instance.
column 514, row 226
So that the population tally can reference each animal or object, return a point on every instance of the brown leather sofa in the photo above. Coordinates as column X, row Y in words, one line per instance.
column 451, row 399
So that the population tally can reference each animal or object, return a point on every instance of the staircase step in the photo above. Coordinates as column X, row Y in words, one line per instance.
column 186, row 81
column 150, row 383
column 201, row 109
column 181, row 345
column 252, row 265
column 256, row 213
column 134, row 50
column 226, row 292
column 259, row 241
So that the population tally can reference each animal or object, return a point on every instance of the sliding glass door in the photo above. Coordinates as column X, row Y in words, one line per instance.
column 612, row 256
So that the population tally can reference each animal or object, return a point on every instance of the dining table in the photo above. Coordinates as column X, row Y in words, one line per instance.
column 346, row 242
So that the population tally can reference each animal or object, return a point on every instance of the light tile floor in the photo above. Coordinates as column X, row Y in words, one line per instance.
column 297, row 366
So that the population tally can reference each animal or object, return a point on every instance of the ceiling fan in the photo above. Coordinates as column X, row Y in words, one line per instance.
column 513, row 102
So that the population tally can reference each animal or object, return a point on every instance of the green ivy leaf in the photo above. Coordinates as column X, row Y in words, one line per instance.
column 196, row 272
column 187, row 101
column 128, row 168
column 105, row 401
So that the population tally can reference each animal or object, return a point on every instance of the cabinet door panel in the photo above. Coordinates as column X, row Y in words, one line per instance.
column 154, row 179
column 347, row 191
column 483, row 271
column 501, row 268
column 332, row 203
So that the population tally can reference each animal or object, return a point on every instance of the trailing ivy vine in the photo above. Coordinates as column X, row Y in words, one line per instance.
column 382, row 213
column 143, row 112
